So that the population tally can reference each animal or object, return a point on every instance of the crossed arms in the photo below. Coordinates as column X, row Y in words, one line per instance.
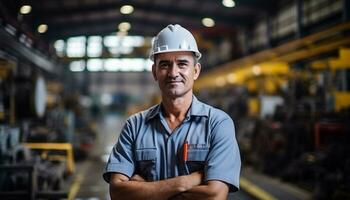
column 181, row 187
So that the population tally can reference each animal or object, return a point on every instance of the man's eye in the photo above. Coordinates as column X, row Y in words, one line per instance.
column 163, row 65
column 182, row 64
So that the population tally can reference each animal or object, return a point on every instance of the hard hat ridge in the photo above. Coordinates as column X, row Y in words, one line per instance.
column 172, row 27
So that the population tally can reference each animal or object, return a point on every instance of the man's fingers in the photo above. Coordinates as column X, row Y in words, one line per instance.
column 197, row 178
column 198, row 174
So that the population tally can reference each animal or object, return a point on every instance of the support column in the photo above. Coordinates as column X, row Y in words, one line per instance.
column 299, row 31
column 346, row 10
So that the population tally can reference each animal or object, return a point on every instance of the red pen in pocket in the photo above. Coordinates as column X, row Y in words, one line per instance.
column 185, row 152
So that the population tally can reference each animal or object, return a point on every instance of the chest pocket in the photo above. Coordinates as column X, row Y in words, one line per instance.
column 196, row 158
column 146, row 163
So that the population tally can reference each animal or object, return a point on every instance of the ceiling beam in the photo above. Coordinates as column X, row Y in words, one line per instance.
column 140, row 26
column 28, row 54
column 49, row 15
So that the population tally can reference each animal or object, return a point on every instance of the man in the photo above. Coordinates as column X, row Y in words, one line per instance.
column 181, row 148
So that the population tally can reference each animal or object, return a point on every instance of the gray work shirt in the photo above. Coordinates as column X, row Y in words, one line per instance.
column 148, row 147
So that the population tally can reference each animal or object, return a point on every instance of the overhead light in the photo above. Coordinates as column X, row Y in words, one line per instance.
column 25, row 9
column 124, row 26
column 256, row 70
column 228, row 3
column 208, row 22
column 126, row 9
column 231, row 78
column 122, row 33
column 220, row 81
column 106, row 99
column 42, row 28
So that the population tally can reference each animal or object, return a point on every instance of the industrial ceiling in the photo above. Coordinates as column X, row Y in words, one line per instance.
column 66, row 18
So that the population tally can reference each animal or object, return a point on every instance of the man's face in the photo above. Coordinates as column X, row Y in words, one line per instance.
column 175, row 72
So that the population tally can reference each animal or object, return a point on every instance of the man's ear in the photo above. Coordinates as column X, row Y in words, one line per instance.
column 154, row 72
column 197, row 71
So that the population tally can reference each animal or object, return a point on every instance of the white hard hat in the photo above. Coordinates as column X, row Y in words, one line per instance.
column 174, row 38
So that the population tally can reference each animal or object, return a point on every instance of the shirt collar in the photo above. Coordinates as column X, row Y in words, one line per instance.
column 197, row 108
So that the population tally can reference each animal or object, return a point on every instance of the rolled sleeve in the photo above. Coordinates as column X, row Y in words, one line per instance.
column 223, row 162
column 117, row 168
column 121, row 159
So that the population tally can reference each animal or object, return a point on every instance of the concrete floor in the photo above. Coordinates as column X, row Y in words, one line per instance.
column 91, row 185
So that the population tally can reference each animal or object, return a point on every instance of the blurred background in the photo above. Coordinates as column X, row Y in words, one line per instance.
column 72, row 71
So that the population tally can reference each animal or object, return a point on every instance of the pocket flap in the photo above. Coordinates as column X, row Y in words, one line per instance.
column 146, row 154
column 197, row 154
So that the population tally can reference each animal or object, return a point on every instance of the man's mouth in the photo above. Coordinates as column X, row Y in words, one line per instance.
column 173, row 82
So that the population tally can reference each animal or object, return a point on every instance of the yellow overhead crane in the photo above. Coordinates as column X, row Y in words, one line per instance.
column 238, row 71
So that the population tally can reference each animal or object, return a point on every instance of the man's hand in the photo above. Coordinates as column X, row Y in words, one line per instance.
column 194, row 179
column 213, row 190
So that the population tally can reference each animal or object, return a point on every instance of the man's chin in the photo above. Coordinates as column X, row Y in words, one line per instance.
column 174, row 93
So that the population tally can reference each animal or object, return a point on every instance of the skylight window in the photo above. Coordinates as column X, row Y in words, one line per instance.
column 76, row 46
column 77, row 66
column 60, row 47
column 94, row 48
column 94, row 65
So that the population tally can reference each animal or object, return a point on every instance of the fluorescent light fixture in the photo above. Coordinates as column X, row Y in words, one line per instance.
column 94, row 47
column 42, row 28
column 134, row 64
column 111, row 41
column 77, row 66
column 228, row 3
column 112, row 64
column 59, row 47
column 76, row 46
column 148, row 66
column 25, row 9
column 208, row 22
column 132, row 41
column 127, row 9
column 127, row 64
column 94, row 65
column 124, row 26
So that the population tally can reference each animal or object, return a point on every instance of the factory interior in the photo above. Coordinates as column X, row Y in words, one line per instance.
column 73, row 71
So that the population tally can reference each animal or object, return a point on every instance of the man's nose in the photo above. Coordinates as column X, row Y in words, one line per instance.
column 173, row 71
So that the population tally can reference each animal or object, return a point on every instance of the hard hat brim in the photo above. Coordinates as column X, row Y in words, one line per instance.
column 197, row 54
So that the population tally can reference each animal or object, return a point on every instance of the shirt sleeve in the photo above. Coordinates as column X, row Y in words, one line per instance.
column 224, row 162
column 121, row 158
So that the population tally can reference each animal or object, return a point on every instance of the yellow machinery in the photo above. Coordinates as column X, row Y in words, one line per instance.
column 338, row 95
column 341, row 97
column 46, row 147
